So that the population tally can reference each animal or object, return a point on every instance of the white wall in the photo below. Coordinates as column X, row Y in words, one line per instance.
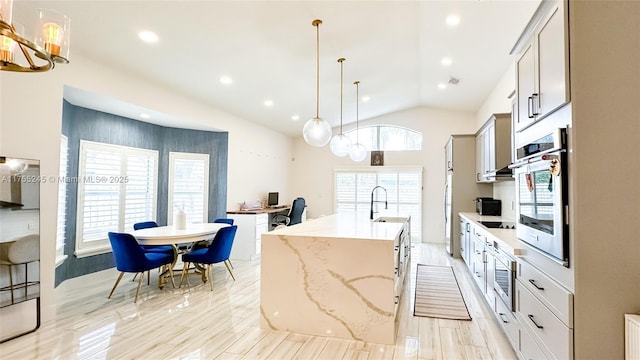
column 313, row 167
column 30, row 125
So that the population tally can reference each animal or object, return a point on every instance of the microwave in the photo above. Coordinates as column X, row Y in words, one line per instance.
column 488, row 206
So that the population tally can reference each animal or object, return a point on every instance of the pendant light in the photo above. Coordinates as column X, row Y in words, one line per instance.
column 340, row 144
column 317, row 132
column 358, row 151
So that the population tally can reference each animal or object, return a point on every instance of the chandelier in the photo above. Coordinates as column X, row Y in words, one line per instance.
column 48, row 46
column 340, row 144
column 358, row 151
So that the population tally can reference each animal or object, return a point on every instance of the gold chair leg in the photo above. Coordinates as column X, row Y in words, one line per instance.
column 210, row 269
column 115, row 285
column 230, row 264
column 185, row 270
column 148, row 277
column 230, row 272
column 171, row 274
column 139, row 285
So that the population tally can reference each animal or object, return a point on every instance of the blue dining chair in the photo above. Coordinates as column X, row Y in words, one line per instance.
column 154, row 248
column 130, row 257
column 225, row 221
column 218, row 251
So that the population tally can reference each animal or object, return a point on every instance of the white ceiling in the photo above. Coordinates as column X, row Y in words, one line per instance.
column 393, row 48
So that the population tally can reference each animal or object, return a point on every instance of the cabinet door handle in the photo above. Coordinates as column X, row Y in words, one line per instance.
column 529, row 106
column 504, row 318
column 533, row 282
column 477, row 176
column 396, row 299
column 534, row 322
column 535, row 108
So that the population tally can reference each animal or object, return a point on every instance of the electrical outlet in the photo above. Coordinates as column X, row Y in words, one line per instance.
column 31, row 226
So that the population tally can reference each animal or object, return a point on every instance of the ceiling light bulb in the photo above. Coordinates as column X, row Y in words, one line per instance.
column 358, row 152
column 268, row 103
column 148, row 36
column 446, row 61
column 442, row 86
column 453, row 20
column 317, row 132
column 53, row 34
column 225, row 80
column 365, row 98
column 340, row 145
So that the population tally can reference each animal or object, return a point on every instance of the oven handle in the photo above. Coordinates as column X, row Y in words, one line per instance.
column 536, row 158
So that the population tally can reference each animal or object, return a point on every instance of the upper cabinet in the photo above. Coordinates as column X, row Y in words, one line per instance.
column 493, row 149
column 542, row 71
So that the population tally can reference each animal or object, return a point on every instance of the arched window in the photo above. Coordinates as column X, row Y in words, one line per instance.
column 387, row 138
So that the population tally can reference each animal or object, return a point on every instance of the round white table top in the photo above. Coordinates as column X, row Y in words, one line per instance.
column 167, row 235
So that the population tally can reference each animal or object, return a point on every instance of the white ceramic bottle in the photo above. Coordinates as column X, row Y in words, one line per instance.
column 181, row 220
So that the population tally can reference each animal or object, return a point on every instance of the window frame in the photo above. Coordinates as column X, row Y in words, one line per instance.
column 416, row 219
column 173, row 155
column 61, row 226
column 378, row 131
column 102, row 245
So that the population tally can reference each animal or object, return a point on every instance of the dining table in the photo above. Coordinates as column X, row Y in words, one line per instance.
column 171, row 235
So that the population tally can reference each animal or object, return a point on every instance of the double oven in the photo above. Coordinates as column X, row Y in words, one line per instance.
column 542, row 207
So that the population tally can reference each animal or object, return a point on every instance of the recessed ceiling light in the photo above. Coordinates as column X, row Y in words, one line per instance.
column 365, row 98
column 148, row 36
column 224, row 79
column 442, row 86
column 144, row 116
column 295, row 117
column 446, row 61
column 268, row 103
column 453, row 20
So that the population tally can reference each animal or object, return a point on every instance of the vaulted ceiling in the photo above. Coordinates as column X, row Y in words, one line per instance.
column 268, row 49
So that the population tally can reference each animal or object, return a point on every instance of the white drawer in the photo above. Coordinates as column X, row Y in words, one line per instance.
column 543, row 324
column 529, row 349
column 558, row 299
column 262, row 219
column 508, row 322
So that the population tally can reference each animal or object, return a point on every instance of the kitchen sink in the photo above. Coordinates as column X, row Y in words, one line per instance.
column 391, row 219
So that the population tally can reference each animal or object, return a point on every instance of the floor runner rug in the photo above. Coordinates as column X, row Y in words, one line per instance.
column 438, row 294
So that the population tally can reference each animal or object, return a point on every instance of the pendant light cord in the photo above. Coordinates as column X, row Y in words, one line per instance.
column 357, row 83
column 317, row 23
column 341, row 60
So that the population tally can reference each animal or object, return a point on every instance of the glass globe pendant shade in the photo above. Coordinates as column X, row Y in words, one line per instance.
column 340, row 145
column 358, row 152
column 317, row 132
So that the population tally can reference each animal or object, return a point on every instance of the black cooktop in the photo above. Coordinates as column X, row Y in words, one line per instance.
column 498, row 224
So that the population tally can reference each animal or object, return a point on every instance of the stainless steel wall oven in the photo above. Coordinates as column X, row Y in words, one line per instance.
column 542, row 196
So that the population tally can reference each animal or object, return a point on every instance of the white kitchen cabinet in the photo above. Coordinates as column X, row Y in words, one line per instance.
column 542, row 71
column 247, row 244
column 493, row 149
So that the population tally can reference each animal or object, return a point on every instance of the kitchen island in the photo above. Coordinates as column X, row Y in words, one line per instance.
column 337, row 276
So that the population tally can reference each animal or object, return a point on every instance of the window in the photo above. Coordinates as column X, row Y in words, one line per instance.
column 404, row 192
column 387, row 138
column 117, row 187
column 188, row 186
column 62, row 200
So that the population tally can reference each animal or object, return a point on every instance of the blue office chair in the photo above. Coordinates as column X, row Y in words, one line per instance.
column 223, row 221
column 294, row 216
column 218, row 251
column 154, row 248
column 132, row 258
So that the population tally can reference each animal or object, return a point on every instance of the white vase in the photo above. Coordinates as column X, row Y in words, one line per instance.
column 181, row 220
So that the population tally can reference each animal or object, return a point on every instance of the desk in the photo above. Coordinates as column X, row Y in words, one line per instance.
column 169, row 235
column 251, row 225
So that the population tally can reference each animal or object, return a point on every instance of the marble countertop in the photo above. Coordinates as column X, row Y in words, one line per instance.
column 507, row 238
column 353, row 225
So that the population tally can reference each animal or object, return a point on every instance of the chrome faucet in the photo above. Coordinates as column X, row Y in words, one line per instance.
column 386, row 205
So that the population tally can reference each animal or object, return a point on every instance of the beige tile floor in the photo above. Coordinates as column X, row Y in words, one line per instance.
column 196, row 323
